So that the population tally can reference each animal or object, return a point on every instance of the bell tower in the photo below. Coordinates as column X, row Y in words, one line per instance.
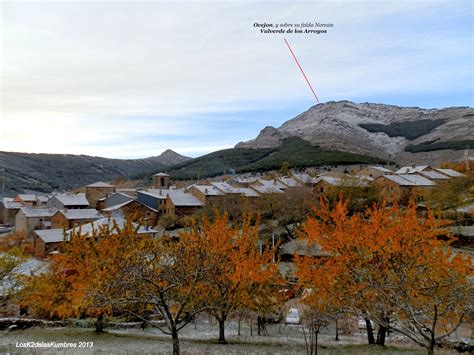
column 161, row 181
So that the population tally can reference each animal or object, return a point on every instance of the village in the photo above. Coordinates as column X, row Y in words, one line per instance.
column 46, row 219
column 46, row 222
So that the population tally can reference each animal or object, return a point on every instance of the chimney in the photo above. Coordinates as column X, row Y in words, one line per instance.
column 160, row 192
column 206, row 191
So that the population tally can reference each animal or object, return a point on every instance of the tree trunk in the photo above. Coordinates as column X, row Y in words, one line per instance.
column 337, row 331
column 174, row 335
column 222, row 331
column 259, row 325
column 316, row 343
column 370, row 331
column 381, row 335
column 431, row 348
column 238, row 326
column 99, row 324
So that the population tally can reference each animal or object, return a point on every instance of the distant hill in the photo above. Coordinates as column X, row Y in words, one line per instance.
column 402, row 134
column 296, row 151
column 49, row 172
column 331, row 133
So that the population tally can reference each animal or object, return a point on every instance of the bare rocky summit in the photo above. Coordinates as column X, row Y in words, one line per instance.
column 385, row 131
column 169, row 157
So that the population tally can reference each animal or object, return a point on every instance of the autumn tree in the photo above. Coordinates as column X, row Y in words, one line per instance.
column 329, row 296
column 159, row 279
column 77, row 275
column 239, row 274
column 401, row 274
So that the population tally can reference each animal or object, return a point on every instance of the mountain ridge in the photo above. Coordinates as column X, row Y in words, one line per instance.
column 351, row 127
column 45, row 172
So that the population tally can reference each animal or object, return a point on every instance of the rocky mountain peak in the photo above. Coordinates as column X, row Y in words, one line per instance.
column 370, row 128
column 170, row 157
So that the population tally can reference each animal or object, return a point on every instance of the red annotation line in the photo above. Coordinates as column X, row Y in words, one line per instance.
column 302, row 72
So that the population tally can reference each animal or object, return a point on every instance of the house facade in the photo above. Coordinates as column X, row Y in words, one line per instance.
column 28, row 219
column 97, row 191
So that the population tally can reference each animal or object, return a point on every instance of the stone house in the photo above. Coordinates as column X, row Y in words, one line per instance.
column 325, row 183
column 373, row 171
column 133, row 210
column 401, row 187
column 28, row 219
column 97, row 191
column 229, row 189
column 27, row 200
column 161, row 181
column 180, row 203
column 154, row 198
column 67, row 219
column 206, row 193
column 68, row 201
column 48, row 241
column 8, row 210
column 305, row 179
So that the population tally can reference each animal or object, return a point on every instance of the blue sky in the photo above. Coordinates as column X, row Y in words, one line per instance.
column 131, row 79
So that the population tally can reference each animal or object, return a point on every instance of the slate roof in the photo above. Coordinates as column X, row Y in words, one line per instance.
column 267, row 189
column 120, row 205
column 331, row 180
column 225, row 187
column 399, row 180
column 156, row 193
column 434, row 175
column 110, row 223
column 127, row 192
column 450, row 172
column 305, row 178
column 417, row 180
column 348, row 181
column 72, row 199
column 242, row 180
column 272, row 183
column 247, row 191
column 208, row 190
column 381, row 169
column 10, row 204
column 100, row 184
column 184, row 199
column 38, row 212
column 85, row 213
column 229, row 189
column 50, row 235
column 27, row 197
column 412, row 169
column 290, row 181
column 409, row 180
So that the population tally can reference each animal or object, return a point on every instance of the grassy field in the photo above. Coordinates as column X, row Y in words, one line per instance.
column 282, row 339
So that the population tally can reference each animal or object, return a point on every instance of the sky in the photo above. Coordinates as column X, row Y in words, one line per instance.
column 131, row 79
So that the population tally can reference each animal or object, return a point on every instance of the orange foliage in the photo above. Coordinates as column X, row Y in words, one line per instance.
column 240, row 276
column 389, row 262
